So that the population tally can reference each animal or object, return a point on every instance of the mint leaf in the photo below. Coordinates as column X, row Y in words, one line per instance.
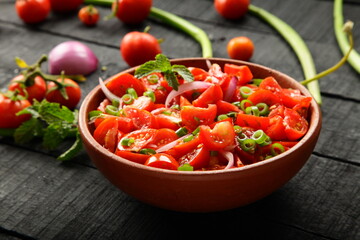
column 52, row 112
column 28, row 130
column 73, row 150
column 55, row 133
column 171, row 79
column 146, row 69
column 183, row 72
column 163, row 63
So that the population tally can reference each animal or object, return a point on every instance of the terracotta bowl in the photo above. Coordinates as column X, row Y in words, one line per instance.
column 202, row 191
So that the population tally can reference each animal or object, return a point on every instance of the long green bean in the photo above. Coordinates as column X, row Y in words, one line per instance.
column 297, row 44
column 354, row 57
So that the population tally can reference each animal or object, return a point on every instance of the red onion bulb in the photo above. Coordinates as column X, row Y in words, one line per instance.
column 73, row 58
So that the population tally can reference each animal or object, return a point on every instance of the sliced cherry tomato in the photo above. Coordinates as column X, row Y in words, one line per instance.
column 224, row 107
column 210, row 96
column 163, row 136
column 295, row 125
column 244, row 120
column 264, row 96
column 119, row 83
column 162, row 160
column 157, row 83
column 221, row 136
column 142, row 102
column 277, row 110
column 199, row 74
column 276, row 129
column 182, row 147
column 137, row 140
column 194, row 116
column 198, row 158
column 184, row 102
column 303, row 106
column 125, row 124
column 132, row 156
column 140, row 118
column 167, row 118
column 271, row 84
column 35, row 91
column 243, row 73
column 106, row 133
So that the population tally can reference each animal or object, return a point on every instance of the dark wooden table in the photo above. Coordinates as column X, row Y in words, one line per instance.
column 41, row 198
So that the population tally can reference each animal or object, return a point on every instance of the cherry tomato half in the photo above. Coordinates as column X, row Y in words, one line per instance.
column 221, row 136
column 162, row 160
column 198, row 158
column 295, row 125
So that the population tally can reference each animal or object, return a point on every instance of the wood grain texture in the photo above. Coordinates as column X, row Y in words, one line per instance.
column 41, row 198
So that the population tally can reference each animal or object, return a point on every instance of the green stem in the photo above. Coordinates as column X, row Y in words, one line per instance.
column 177, row 22
column 354, row 57
column 298, row 45
column 336, row 66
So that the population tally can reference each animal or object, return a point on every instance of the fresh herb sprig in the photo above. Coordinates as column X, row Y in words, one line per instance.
column 163, row 65
column 53, row 123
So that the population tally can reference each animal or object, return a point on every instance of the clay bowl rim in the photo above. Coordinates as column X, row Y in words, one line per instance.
column 314, row 123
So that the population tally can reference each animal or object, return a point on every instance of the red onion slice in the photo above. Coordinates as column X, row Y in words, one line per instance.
column 231, row 89
column 230, row 157
column 184, row 88
column 107, row 92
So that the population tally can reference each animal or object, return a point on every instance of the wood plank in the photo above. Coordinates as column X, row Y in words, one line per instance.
column 43, row 199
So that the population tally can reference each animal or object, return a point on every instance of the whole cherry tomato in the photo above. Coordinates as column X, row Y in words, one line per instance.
column 65, row 5
column 72, row 89
column 132, row 11
column 32, row 11
column 35, row 91
column 240, row 48
column 8, row 110
column 139, row 47
column 232, row 9
column 89, row 15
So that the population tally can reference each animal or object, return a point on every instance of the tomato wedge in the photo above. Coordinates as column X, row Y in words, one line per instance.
column 276, row 129
column 243, row 73
column 167, row 118
column 140, row 118
column 221, row 136
column 210, row 96
column 182, row 147
column 137, row 140
column 122, row 81
column 264, row 96
column 143, row 102
column 244, row 120
column 295, row 125
column 224, row 107
column 162, row 160
column 163, row 136
column 194, row 116
column 198, row 158
column 132, row 156
column 106, row 133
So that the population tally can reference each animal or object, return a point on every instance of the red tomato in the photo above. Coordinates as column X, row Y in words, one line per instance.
column 162, row 160
column 132, row 156
column 125, row 124
column 198, row 158
column 276, row 129
column 264, row 96
column 295, row 125
column 143, row 102
column 139, row 47
column 141, row 118
column 106, row 133
column 209, row 96
column 157, row 83
column 32, row 11
column 243, row 73
column 240, row 48
column 221, row 136
column 140, row 139
column 194, row 116
column 164, row 136
column 244, row 120
column 8, row 110
column 271, row 84
column 167, row 118
column 232, row 9
column 119, row 83
column 65, row 5
column 199, row 74
column 36, row 91
column 72, row 89
column 224, row 107
column 89, row 15
column 182, row 147
column 132, row 11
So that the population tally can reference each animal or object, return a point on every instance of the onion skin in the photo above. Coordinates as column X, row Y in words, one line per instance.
column 73, row 58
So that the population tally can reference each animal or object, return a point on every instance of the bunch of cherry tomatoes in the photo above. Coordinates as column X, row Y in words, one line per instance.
column 34, row 85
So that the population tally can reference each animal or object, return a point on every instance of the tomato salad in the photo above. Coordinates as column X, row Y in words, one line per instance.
column 222, row 119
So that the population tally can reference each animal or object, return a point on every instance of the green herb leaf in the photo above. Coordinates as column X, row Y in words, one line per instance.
column 55, row 133
column 186, row 167
column 73, row 150
column 28, row 130
column 21, row 63
column 183, row 72
column 53, row 112
column 171, row 79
